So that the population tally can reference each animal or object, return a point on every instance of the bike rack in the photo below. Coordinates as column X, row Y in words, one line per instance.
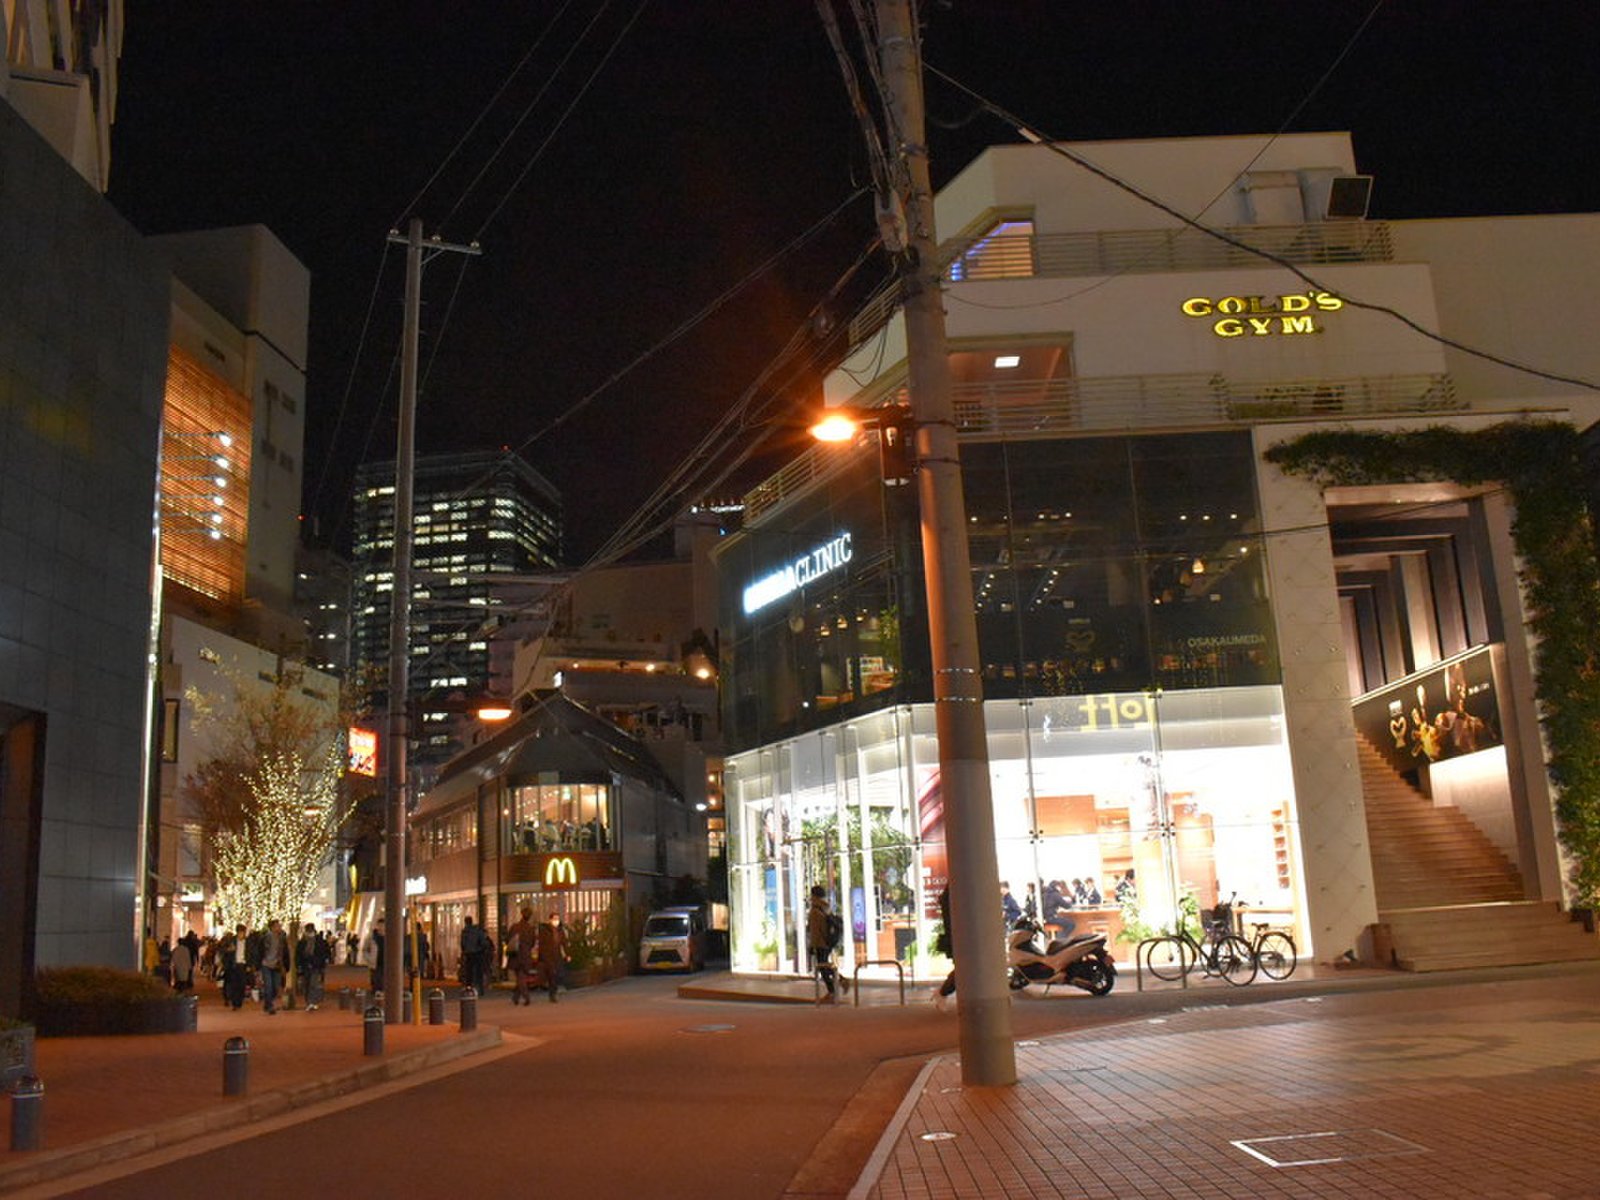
column 1141, row 960
column 899, row 970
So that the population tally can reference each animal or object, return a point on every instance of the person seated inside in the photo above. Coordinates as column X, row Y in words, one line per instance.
column 1091, row 893
column 1056, row 907
column 1080, row 893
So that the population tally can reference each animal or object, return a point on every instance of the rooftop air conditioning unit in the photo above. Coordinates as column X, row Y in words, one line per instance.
column 1331, row 195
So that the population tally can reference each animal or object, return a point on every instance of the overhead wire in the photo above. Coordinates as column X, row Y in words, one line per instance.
column 1061, row 151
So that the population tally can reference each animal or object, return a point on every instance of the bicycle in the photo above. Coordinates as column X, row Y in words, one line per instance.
column 1223, row 953
column 1274, row 952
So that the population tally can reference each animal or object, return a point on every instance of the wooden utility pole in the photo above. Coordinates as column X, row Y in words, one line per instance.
column 987, row 1053
column 394, row 835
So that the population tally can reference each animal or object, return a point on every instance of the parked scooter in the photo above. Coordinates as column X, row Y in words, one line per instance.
column 1081, row 961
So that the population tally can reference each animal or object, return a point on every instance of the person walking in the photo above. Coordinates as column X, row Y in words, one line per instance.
column 373, row 955
column 311, row 964
column 233, row 952
column 521, row 940
column 553, row 955
column 824, row 929
column 274, row 961
column 476, row 951
column 945, row 944
column 183, row 963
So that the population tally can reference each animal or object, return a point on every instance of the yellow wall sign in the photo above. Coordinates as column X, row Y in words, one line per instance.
column 1263, row 316
column 560, row 872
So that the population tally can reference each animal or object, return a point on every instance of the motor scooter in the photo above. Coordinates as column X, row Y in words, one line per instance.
column 1081, row 961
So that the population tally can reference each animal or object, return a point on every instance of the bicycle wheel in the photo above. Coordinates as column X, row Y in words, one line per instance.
column 1275, row 955
column 1234, row 960
column 1168, row 959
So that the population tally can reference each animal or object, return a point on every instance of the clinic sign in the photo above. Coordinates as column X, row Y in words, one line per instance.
column 1262, row 316
column 792, row 576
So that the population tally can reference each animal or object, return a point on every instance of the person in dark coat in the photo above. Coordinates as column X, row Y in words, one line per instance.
column 553, row 955
column 521, row 939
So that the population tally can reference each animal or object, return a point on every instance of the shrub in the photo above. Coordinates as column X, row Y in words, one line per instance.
column 98, row 985
column 96, row 1001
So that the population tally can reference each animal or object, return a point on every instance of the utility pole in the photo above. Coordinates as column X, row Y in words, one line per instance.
column 988, row 1056
column 394, row 835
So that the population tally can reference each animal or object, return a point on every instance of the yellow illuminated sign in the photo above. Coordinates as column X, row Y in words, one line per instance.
column 560, row 871
column 363, row 752
column 1262, row 316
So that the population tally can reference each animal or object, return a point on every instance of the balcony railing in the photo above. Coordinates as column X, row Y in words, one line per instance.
column 1113, row 404
column 1138, row 251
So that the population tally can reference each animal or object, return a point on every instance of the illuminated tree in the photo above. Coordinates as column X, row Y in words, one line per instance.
column 270, row 798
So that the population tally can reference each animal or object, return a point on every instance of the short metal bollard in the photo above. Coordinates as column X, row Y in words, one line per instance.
column 405, row 1007
column 235, row 1066
column 344, row 999
column 469, row 1010
column 27, row 1112
column 191, row 1015
column 372, row 1032
column 436, row 1007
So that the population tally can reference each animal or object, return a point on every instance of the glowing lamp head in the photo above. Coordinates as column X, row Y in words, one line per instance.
column 494, row 712
column 835, row 427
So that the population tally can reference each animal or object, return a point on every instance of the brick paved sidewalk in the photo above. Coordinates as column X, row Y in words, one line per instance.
column 1480, row 1091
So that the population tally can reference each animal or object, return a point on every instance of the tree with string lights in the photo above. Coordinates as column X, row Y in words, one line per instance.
column 271, row 796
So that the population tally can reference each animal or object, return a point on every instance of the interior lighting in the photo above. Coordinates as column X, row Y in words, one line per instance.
column 1005, row 362
column 1197, row 567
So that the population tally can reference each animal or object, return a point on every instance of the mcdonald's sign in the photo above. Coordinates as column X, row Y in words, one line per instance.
column 560, row 872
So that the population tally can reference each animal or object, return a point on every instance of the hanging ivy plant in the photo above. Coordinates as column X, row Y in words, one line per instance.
column 1539, row 465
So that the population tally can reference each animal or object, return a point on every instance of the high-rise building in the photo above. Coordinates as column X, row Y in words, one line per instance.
column 482, row 520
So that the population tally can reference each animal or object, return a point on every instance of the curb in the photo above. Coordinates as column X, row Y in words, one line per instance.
column 48, row 1165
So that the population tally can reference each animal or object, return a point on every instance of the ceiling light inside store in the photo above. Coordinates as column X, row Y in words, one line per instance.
column 1004, row 362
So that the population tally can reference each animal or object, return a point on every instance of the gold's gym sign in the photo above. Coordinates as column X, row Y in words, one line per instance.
column 1262, row 316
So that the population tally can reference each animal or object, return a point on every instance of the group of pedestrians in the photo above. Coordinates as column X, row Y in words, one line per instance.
column 539, row 955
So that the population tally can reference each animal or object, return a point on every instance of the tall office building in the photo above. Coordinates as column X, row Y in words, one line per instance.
column 482, row 520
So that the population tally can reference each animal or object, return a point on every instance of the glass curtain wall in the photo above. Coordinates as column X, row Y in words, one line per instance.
column 1117, row 813
column 539, row 818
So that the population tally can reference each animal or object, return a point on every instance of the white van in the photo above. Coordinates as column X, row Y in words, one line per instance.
column 674, row 939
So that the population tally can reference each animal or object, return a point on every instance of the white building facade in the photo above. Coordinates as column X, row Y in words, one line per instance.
column 1175, row 635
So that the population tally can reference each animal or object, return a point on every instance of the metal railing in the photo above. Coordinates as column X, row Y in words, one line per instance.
column 1112, row 404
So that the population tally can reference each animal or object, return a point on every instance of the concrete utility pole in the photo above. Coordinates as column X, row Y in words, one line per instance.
column 988, row 1056
column 394, row 836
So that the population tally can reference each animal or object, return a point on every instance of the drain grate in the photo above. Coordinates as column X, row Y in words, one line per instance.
column 1313, row 1149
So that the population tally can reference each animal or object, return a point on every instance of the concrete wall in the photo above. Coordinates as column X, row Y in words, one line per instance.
column 83, row 347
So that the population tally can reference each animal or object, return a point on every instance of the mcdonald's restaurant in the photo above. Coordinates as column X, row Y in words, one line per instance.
column 561, row 812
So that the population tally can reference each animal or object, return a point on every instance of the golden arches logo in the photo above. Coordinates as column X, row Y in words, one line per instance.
column 561, row 871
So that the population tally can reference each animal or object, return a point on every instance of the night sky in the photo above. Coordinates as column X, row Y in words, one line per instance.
column 705, row 137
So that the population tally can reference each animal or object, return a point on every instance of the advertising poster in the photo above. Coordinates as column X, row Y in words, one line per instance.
column 1443, row 713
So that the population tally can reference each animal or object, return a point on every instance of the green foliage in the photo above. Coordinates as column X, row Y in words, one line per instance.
column 1540, row 466
column 598, row 937
column 98, row 985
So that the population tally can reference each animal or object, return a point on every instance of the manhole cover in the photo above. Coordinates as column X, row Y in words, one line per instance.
column 1312, row 1149
column 709, row 1028
column 938, row 1135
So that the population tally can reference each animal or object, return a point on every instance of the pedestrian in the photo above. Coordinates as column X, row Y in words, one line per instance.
column 553, row 955
column 183, row 964
column 824, row 930
column 373, row 954
column 311, row 964
column 233, row 952
column 476, row 951
column 945, row 944
column 274, row 961
column 1010, row 910
column 352, row 949
column 152, row 952
column 521, row 940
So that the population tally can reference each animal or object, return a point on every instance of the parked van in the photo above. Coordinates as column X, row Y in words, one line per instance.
column 674, row 939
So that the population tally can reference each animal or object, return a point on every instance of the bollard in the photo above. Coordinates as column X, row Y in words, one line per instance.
column 436, row 1007
column 372, row 1032
column 235, row 1066
column 344, row 999
column 405, row 1007
column 191, row 1014
column 469, row 1010
column 27, row 1112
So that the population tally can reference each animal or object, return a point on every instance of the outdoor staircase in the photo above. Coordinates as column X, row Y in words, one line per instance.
column 1449, row 897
